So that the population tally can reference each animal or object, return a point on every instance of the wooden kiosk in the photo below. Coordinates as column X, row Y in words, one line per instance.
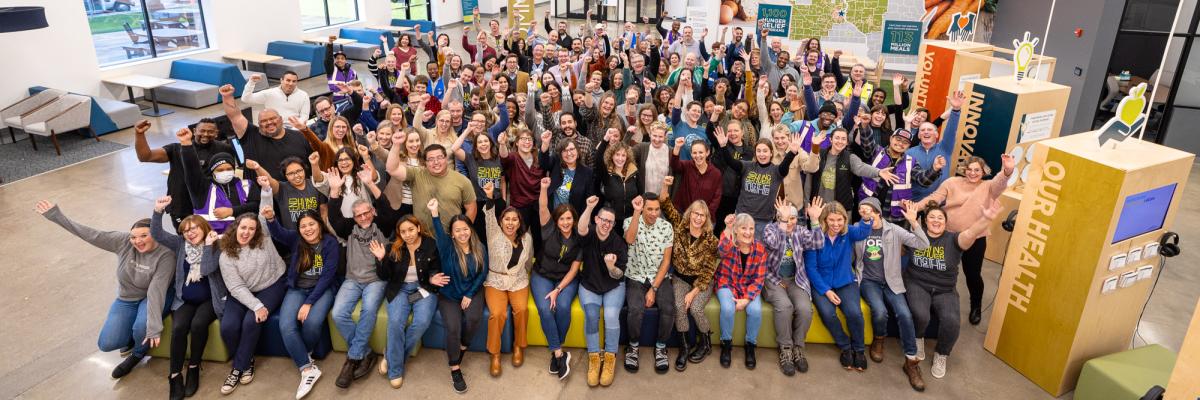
column 939, row 68
column 1083, row 254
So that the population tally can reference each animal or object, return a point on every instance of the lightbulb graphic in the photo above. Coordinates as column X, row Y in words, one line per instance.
column 1023, row 55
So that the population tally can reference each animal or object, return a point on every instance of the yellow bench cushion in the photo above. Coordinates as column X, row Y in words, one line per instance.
column 214, row 350
column 817, row 333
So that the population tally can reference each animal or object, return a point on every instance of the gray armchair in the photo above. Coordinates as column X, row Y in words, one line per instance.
column 70, row 112
column 11, row 115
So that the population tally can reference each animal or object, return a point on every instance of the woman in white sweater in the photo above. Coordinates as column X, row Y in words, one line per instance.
column 510, row 251
column 253, row 274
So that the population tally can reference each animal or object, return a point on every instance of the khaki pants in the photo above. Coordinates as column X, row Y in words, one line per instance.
column 497, row 303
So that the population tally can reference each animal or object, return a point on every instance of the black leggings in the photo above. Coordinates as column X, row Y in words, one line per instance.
column 532, row 220
column 190, row 321
column 453, row 317
column 972, row 262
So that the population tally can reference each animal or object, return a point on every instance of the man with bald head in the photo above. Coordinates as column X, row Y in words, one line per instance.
column 269, row 142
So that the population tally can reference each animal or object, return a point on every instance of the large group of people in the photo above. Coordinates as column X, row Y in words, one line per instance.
column 623, row 169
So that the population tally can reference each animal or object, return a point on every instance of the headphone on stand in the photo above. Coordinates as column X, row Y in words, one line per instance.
column 1010, row 223
column 1168, row 245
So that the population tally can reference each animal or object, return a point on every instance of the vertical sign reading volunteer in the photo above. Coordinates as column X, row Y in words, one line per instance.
column 776, row 19
column 902, row 37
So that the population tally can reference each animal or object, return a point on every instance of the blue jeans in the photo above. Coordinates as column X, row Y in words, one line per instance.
column 852, row 311
column 357, row 334
column 402, row 341
column 556, row 322
column 728, row 308
column 125, row 325
column 611, row 303
column 301, row 338
column 876, row 294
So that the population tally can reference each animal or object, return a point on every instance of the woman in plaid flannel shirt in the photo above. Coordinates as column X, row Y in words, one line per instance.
column 739, row 281
column 787, row 287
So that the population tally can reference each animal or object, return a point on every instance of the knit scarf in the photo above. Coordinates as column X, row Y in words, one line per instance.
column 900, row 191
column 193, row 255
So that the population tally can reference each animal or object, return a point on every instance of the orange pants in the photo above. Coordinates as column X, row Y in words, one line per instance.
column 497, row 303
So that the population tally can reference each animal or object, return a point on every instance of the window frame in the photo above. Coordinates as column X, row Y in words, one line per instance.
column 328, row 22
column 154, row 53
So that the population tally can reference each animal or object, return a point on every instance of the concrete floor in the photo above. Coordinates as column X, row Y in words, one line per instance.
column 57, row 290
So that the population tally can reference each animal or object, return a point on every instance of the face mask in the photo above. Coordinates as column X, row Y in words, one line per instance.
column 223, row 177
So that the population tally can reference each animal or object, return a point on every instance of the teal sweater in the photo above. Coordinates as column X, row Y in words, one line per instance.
column 460, row 285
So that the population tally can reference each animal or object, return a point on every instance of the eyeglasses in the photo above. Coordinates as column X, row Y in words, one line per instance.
column 605, row 221
column 364, row 214
column 191, row 228
column 434, row 158
column 298, row 172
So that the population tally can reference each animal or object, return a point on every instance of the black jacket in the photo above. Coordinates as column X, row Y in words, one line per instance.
column 393, row 271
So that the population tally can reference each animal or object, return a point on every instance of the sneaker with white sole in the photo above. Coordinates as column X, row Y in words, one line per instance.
column 383, row 366
column 939, row 366
column 248, row 374
column 308, row 378
column 564, row 365
column 921, row 349
column 231, row 382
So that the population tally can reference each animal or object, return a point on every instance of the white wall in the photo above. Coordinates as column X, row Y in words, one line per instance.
column 446, row 12
column 62, row 56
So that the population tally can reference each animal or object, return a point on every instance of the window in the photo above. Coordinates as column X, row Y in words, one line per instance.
column 128, row 30
column 417, row 10
column 321, row 13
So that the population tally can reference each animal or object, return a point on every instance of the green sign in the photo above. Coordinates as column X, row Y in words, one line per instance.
column 902, row 37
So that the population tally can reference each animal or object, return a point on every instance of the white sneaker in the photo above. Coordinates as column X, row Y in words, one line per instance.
column 939, row 366
column 921, row 349
column 308, row 378
column 383, row 366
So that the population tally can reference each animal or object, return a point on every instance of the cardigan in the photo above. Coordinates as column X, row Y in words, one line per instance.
column 500, row 251
column 894, row 239
column 208, row 265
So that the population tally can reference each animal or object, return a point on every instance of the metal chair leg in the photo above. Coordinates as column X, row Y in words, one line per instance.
column 54, row 138
column 32, row 141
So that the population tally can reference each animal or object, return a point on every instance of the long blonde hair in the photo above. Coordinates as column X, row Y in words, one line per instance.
column 698, row 206
column 629, row 167
column 836, row 208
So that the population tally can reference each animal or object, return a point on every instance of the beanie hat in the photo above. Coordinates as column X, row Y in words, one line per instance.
column 873, row 202
column 218, row 159
column 828, row 107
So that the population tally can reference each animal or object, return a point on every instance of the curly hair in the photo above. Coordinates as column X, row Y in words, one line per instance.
column 229, row 243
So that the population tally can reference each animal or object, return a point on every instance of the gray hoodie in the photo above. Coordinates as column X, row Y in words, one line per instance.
column 139, row 275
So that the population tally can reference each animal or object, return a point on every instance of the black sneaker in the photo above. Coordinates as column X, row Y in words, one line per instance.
column 786, row 364
column 231, row 382
column 847, row 359
column 631, row 358
column 460, row 384
column 125, row 366
column 860, row 361
column 564, row 365
column 661, row 362
column 554, row 368
column 798, row 358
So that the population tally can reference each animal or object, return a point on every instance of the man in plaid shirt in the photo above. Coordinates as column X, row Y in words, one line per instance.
column 787, row 287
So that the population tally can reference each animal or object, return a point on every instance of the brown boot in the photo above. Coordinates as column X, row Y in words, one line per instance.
column 518, row 356
column 877, row 349
column 607, row 371
column 593, row 369
column 495, row 365
column 912, row 368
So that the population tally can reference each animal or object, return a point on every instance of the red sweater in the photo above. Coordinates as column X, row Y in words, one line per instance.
column 696, row 186
column 524, row 182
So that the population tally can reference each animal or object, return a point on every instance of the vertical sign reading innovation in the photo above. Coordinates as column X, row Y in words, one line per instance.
column 902, row 37
column 776, row 19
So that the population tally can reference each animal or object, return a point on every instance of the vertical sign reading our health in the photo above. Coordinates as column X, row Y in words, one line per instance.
column 902, row 37
column 776, row 19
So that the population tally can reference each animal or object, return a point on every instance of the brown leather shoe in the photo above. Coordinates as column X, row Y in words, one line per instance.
column 495, row 365
column 877, row 349
column 912, row 368
column 518, row 357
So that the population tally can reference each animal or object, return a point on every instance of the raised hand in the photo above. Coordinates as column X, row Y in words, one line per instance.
column 162, row 203
column 184, row 135
column 226, row 90
column 377, row 249
column 335, row 178
column 488, row 189
column 910, row 211
column 806, row 77
column 858, row 88
column 637, row 204
column 667, row 181
column 264, row 181
column 375, row 54
column 722, row 138
column 211, row 238
column 796, row 145
column 432, row 206
column 545, row 184
column 142, row 127
column 1009, row 163
column 365, row 176
column 42, row 206
column 897, row 78
column 679, row 142
column 956, row 99
column 592, row 201
column 267, row 212
column 295, row 121
column 817, row 139
column 815, row 207
column 939, row 162
column 252, row 165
